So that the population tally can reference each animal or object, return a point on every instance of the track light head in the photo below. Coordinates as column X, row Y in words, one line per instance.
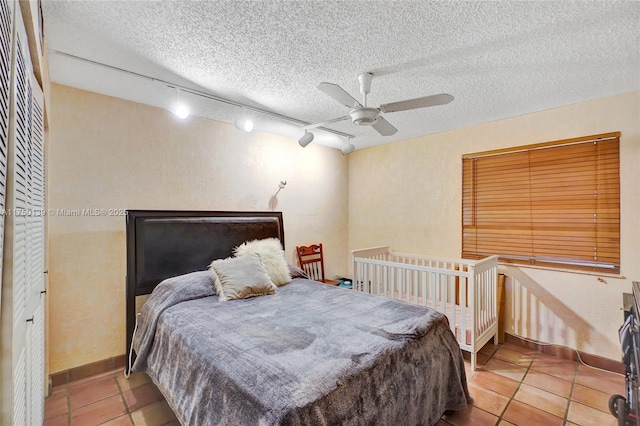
column 305, row 139
column 348, row 149
column 182, row 111
column 244, row 124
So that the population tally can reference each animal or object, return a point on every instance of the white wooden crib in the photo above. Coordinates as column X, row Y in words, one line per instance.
column 464, row 290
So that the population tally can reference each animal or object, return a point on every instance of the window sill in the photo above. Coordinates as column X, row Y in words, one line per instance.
column 561, row 270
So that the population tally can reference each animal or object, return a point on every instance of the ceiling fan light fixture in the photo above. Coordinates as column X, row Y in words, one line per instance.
column 306, row 139
column 364, row 116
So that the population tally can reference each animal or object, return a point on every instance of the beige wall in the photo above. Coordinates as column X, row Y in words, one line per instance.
column 408, row 195
column 107, row 153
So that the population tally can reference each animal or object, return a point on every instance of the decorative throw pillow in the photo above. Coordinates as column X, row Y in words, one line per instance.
column 272, row 256
column 241, row 277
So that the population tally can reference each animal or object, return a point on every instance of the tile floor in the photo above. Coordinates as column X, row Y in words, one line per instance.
column 108, row 399
column 512, row 386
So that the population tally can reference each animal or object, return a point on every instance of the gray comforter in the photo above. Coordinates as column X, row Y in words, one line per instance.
column 312, row 354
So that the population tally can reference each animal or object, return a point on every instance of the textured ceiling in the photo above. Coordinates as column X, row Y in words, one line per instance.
column 498, row 59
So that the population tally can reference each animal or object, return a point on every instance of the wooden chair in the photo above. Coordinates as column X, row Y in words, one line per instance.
column 311, row 261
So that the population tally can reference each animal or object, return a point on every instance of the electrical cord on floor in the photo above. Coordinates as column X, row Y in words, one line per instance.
column 537, row 342
column 127, row 368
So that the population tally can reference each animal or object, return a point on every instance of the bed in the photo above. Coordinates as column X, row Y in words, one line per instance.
column 308, row 354
column 465, row 290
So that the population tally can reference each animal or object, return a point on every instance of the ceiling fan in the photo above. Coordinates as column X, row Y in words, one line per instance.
column 362, row 115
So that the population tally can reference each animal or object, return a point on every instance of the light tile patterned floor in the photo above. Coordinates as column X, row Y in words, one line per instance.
column 108, row 399
column 517, row 386
column 512, row 386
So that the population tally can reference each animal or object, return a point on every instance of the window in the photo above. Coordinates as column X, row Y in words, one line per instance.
column 552, row 204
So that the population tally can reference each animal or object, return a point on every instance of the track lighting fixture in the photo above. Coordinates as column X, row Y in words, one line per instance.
column 348, row 148
column 182, row 109
column 244, row 123
column 305, row 139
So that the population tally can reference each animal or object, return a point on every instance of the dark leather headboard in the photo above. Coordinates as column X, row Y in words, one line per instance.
column 166, row 243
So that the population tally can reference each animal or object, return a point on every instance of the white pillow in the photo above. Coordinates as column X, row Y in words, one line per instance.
column 240, row 278
column 271, row 255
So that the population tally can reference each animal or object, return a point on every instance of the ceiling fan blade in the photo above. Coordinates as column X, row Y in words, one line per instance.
column 324, row 123
column 339, row 94
column 383, row 127
column 426, row 101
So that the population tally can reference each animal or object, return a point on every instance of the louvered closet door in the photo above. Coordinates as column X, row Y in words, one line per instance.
column 23, row 274
column 13, row 408
column 16, row 236
column 6, row 41
column 35, row 259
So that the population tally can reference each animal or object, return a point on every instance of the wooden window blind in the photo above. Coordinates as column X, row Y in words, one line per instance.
column 553, row 204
